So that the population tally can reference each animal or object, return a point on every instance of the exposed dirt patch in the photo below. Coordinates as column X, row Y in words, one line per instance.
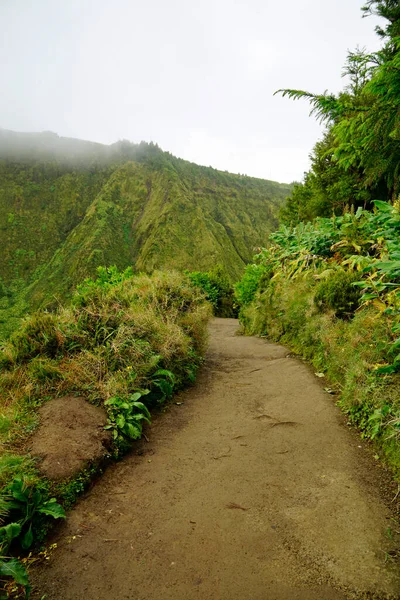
column 70, row 435
column 251, row 488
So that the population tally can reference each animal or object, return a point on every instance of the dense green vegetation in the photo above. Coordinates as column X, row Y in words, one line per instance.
column 358, row 159
column 132, row 330
column 68, row 206
column 126, row 343
column 218, row 289
column 24, row 508
column 328, row 284
column 331, row 291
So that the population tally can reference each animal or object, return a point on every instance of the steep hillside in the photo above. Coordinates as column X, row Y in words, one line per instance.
column 124, row 204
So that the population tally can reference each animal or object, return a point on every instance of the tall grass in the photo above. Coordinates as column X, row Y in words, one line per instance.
column 113, row 340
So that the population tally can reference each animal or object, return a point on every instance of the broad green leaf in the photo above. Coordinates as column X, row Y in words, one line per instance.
column 15, row 505
column 369, row 296
column 139, row 417
column 53, row 509
column 359, row 212
column 164, row 386
column 15, row 569
column 165, row 373
column 383, row 206
column 120, row 421
column 27, row 540
column 133, row 432
column 395, row 345
column 36, row 498
column 387, row 370
column 143, row 408
column 19, row 490
column 10, row 532
column 392, row 266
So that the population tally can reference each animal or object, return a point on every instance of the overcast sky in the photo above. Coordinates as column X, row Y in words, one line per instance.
column 195, row 77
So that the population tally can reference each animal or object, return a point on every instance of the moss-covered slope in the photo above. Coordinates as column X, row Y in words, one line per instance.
column 61, row 219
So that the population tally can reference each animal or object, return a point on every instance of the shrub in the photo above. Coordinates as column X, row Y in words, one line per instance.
column 111, row 341
column 336, row 292
column 218, row 290
column 246, row 288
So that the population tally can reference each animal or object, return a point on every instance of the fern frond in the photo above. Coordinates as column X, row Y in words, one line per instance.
column 326, row 107
column 295, row 94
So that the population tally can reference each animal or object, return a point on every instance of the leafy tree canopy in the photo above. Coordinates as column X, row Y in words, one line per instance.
column 358, row 159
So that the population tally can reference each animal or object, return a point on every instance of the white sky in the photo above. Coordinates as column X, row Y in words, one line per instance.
column 195, row 77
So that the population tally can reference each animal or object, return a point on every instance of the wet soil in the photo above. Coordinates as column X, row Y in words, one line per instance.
column 251, row 487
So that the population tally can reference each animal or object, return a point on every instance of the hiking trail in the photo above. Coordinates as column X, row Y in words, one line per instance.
column 251, row 487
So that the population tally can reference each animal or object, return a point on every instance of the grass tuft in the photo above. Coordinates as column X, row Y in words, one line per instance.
column 120, row 332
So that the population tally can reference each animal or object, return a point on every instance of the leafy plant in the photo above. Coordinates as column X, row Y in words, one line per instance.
column 106, row 278
column 125, row 418
column 246, row 288
column 164, row 381
column 13, row 569
column 22, row 505
column 377, row 422
column 218, row 290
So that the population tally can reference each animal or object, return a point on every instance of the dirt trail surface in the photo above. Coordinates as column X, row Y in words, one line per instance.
column 251, row 489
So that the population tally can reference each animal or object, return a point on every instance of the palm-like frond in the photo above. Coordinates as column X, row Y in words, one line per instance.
column 326, row 107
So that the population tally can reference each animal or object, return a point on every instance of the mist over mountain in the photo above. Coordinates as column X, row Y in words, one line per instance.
column 49, row 146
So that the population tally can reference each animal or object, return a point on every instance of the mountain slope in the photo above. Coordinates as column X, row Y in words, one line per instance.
column 60, row 219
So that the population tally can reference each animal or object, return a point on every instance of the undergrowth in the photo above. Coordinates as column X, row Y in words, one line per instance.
column 330, row 290
column 218, row 289
column 125, row 343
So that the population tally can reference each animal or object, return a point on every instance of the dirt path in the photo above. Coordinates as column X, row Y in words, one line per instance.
column 252, row 489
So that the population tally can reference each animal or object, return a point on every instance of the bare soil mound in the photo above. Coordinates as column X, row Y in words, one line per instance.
column 251, row 487
column 70, row 436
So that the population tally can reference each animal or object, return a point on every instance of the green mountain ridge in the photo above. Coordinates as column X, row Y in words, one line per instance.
column 63, row 213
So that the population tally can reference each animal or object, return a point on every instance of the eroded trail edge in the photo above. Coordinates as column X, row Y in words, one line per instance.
column 250, row 488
